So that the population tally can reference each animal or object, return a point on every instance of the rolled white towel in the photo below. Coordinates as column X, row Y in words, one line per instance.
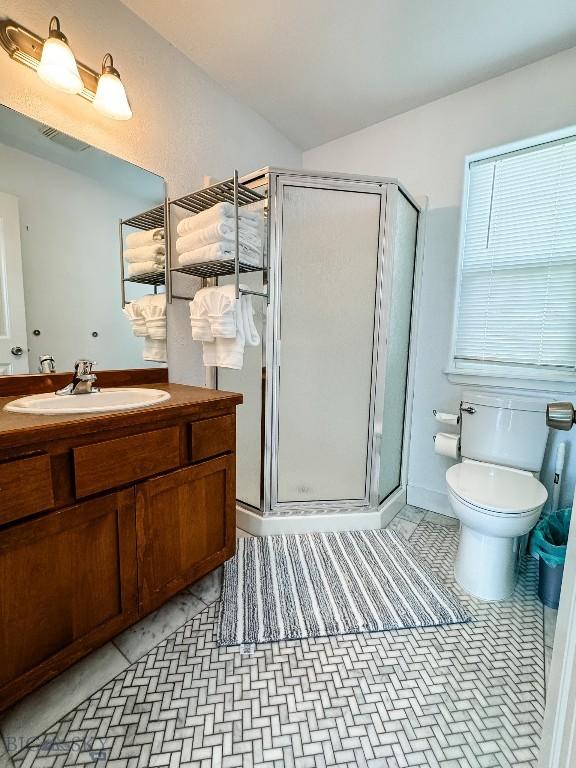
column 147, row 237
column 143, row 267
column 145, row 253
column 134, row 314
column 221, row 230
column 221, row 251
column 218, row 213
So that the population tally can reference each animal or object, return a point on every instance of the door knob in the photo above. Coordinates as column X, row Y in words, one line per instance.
column 17, row 351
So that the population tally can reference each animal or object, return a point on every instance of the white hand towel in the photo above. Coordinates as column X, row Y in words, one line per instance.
column 222, row 230
column 218, row 213
column 221, row 251
column 148, row 237
column 153, row 309
column 155, row 350
column 143, row 267
column 145, row 253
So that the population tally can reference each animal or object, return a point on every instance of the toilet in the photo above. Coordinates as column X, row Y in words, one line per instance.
column 495, row 491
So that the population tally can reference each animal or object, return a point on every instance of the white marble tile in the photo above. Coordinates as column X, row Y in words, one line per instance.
column 208, row 588
column 5, row 761
column 413, row 514
column 434, row 517
column 550, row 616
column 41, row 709
column 405, row 527
column 135, row 641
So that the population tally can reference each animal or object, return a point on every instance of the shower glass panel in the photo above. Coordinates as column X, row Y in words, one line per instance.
column 393, row 406
column 329, row 265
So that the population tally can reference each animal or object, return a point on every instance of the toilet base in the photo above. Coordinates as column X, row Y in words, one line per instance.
column 487, row 566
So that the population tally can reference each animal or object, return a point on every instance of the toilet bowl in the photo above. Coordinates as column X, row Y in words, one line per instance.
column 496, row 506
column 494, row 491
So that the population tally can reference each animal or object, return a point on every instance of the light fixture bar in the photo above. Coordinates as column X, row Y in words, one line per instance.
column 26, row 48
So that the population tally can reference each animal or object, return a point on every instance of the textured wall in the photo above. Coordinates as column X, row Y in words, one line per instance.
column 184, row 124
column 425, row 148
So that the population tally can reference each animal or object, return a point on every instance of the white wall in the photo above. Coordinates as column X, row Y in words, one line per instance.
column 425, row 148
column 184, row 125
column 69, row 240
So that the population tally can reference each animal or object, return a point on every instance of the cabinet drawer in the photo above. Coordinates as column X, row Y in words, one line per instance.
column 211, row 437
column 25, row 488
column 110, row 464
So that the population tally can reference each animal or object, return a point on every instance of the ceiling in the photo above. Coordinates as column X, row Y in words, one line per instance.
column 319, row 69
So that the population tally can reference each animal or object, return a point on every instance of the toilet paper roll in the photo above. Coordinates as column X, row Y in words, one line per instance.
column 447, row 445
column 447, row 418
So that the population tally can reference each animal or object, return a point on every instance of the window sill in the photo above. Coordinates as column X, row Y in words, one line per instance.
column 488, row 378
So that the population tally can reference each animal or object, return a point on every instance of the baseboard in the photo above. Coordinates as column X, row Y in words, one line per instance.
column 271, row 525
column 433, row 501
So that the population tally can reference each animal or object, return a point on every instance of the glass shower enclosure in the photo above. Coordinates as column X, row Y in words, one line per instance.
column 326, row 395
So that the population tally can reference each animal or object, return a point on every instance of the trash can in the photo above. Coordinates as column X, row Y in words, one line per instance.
column 548, row 544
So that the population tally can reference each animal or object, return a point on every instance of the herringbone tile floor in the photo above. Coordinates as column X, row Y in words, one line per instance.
column 455, row 696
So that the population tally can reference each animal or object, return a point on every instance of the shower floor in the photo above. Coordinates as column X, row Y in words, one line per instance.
column 452, row 696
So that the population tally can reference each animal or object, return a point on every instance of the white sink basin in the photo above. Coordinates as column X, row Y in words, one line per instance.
column 113, row 399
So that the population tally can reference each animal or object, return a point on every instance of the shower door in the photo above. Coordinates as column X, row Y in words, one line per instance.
column 328, row 282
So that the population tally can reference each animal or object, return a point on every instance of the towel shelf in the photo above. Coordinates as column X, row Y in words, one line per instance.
column 207, row 269
column 150, row 219
column 229, row 191
column 148, row 278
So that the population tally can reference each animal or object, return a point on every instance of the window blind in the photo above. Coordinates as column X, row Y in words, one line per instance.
column 517, row 299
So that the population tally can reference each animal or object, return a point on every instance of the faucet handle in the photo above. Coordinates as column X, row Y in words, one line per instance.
column 83, row 367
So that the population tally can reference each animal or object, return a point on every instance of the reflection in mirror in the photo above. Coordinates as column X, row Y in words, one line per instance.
column 61, row 201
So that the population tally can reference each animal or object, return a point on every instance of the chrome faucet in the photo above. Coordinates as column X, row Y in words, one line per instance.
column 83, row 380
column 46, row 364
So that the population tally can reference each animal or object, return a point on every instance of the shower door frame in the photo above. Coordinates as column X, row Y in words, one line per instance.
column 379, row 188
column 275, row 179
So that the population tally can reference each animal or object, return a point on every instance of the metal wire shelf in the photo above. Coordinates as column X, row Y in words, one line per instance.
column 148, row 278
column 148, row 219
column 238, row 194
column 223, row 192
column 207, row 269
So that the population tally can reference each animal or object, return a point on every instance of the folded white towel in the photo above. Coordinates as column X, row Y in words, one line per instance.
column 224, row 324
column 133, row 313
column 218, row 213
column 222, row 251
column 145, row 253
column 147, row 237
column 220, row 231
column 143, row 267
column 154, row 313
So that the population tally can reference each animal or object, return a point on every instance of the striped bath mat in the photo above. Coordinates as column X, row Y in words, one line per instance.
column 290, row 587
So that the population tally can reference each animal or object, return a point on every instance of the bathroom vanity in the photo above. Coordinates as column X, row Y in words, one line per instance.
column 104, row 516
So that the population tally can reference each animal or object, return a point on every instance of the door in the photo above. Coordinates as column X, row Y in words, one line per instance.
column 330, row 244
column 186, row 526
column 13, row 337
column 77, row 568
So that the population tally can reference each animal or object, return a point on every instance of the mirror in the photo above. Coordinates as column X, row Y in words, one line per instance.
column 61, row 295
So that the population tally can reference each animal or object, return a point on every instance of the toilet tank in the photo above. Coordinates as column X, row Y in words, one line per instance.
column 504, row 429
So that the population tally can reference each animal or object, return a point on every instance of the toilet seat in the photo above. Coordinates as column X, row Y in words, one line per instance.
column 494, row 489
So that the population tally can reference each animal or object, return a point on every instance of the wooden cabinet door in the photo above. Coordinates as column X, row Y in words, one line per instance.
column 68, row 583
column 185, row 524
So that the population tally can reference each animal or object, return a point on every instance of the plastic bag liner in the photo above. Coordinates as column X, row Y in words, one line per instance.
column 550, row 537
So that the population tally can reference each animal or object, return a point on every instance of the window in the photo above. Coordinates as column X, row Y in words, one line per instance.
column 516, row 301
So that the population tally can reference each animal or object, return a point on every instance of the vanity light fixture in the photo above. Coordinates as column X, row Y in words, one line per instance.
column 111, row 99
column 55, row 63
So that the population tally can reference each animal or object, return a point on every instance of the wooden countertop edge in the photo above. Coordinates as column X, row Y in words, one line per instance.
column 55, row 427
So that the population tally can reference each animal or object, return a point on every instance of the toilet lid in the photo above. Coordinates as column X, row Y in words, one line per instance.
column 498, row 489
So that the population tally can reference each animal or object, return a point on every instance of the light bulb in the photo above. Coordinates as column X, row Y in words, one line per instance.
column 111, row 99
column 57, row 65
